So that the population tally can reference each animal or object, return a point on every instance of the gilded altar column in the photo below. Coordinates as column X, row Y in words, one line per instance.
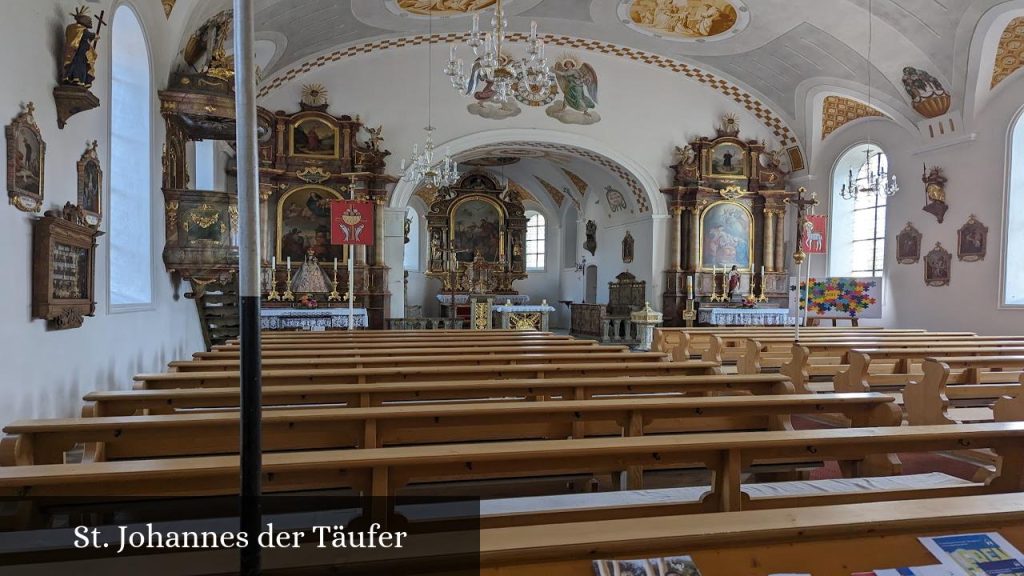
column 378, row 237
column 769, row 240
column 780, row 239
column 694, row 229
column 677, row 238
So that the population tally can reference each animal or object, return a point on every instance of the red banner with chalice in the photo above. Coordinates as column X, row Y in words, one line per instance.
column 352, row 222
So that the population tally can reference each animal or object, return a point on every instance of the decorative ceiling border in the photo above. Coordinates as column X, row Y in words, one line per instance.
column 1010, row 54
column 838, row 111
column 771, row 121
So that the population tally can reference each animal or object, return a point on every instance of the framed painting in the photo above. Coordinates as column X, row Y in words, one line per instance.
column 26, row 162
column 972, row 241
column 727, row 160
column 313, row 137
column 478, row 225
column 726, row 236
column 936, row 266
column 304, row 224
column 908, row 245
column 90, row 185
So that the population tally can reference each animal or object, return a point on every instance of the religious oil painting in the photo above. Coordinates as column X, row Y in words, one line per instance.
column 937, row 266
column 726, row 229
column 26, row 152
column 908, row 245
column 440, row 7
column 90, row 184
column 315, row 138
column 972, row 241
column 476, row 227
column 727, row 160
column 304, row 224
column 685, row 20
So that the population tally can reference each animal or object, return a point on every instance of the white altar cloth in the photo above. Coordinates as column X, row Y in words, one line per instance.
column 745, row 316
column 461, row 299
column 314, row 319
column 523, row 308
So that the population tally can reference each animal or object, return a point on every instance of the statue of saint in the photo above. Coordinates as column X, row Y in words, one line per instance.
column 79, row 63
column 734, row 280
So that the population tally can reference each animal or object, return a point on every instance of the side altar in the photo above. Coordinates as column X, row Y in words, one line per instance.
column 728, row 232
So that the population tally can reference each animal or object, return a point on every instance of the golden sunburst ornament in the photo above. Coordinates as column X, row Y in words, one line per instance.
column 314, row 95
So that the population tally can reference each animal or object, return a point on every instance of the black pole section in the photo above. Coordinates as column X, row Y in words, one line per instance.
column 249, row 288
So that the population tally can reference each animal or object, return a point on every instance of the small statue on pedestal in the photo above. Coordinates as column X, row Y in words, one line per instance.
column 734, row 280
column 79, row 63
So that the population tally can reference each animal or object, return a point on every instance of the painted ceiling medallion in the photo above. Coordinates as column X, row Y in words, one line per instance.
column 438, row 7
column 685, row 20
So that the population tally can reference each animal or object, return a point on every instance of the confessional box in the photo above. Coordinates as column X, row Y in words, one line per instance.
column 63, row 271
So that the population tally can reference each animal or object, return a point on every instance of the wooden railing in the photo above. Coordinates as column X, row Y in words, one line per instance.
column 424, row 324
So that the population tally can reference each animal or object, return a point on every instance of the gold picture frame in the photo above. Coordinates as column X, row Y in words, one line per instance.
column 972, row 241
column 26, row 162
column 937, row 265
column 728, row 160
column 90, row 184
column 303, row 224
column 306, row 141
column 725, row 238
column 461, row 242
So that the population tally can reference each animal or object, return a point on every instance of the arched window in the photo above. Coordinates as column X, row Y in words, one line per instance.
column 131, row 276
column 857, row 243
column 412, row 245
column 1013, row 272
column 535, row 237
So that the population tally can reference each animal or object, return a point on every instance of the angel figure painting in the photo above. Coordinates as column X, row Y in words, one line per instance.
column 687, row 19
column 443, row 7
column 578, row 82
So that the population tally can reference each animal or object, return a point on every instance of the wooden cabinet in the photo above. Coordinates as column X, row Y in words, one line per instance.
column 63, row 268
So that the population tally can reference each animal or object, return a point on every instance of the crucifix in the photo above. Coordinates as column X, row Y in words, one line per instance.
column 451, row 258
column 803, row 204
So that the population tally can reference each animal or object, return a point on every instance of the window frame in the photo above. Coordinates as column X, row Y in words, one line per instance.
column 1016, row 123
column 879, row 235
column 127, row 308
column 543, row 253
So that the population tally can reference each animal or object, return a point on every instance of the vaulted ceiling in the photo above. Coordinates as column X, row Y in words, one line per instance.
column 775, row 49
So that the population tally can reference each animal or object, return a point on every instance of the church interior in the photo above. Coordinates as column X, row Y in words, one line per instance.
column 575, row 287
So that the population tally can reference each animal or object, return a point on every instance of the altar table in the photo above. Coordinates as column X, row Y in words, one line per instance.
column 523, row 317
column 313, row 319
column 463, row 299
column 745, row 316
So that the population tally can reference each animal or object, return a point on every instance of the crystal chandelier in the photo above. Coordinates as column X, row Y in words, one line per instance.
column 873, row 178
column 424, row 167
column 494, row 71
column 870, row 179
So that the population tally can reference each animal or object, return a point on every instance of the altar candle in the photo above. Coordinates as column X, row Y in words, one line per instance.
column 762, row 274
column 689, row 286
column 335, row 264
column 289, row 263
column 273, row 262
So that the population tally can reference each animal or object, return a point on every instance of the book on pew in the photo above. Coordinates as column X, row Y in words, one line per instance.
column 937, row 570
column 670, row 566
column 976, row 554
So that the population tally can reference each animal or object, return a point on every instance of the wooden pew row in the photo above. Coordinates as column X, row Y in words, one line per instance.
column 988, row 385
column 170, row 401
column 755, row 354
column 388, row 472
column 581, row 347
column 824, row 360
column 34, row 442
column 455, row 344
column 685, row 342
column 467, row 335
column 862, row 374
column 398, row 358
column 826, row 540
column 272, row 378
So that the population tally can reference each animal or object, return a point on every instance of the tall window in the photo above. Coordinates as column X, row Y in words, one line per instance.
column 1013, row 272
column 857, row 245
column 535, row 240
column 130, row 146
column 412, row 237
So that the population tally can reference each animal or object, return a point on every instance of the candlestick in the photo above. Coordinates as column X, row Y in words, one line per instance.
column 335, row 265
column 273, row 295
column 689, row 287
column 289, row 263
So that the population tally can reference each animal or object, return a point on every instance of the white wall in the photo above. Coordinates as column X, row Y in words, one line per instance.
column 977, row 180
column 46, row 373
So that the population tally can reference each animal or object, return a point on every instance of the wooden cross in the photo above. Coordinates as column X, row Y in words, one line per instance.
column 801, row 204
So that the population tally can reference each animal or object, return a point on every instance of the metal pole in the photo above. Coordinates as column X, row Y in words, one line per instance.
column 251, row 521
column 351, row 271
column 807, row 291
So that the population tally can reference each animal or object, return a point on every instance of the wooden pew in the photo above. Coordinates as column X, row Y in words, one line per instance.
column 908, row 366
column 682, row 343
column 271, row 378
column 977, row 381
column 802, row 366
column 466, row 358
column 464, row 336
column 127, row 403
column 825, row 540
column 455, row 345
column 388, row 472
column 582, row 347
column 34, row 442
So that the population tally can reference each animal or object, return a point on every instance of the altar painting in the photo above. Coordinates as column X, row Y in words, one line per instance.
column 476, row 227
column 728, row 160
column 304, row 223
column 312, row 137
column 726, row 236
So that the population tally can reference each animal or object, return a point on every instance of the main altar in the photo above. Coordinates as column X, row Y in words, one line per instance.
column 728, row 232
